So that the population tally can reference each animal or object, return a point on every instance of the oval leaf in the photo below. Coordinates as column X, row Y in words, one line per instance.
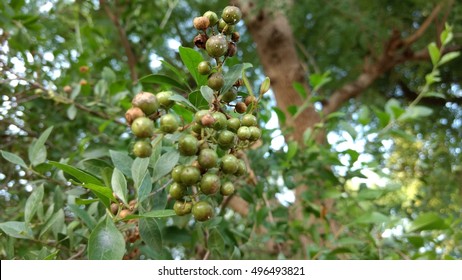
column 80, row 175
column 150, row 233
column 106, row 242
column 32, row 203
column 427, row 221
column 119, row 185
column 165, row 164
column 13, row 159
column 17, row 229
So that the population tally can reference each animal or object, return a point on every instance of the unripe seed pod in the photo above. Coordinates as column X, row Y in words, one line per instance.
column 249, row 120
column 143, row 127
column 84, row 69
column 164, row 99
column 169, row 123
column 208, row 158
column 190, row 175
column 229, row 96
column 243, row 133
column 220, row 121
column 265, row 86
column 210, row 183
column 114, row 208
column 229, row 164
column 177, row 191
column 142, row 149
column 213, row 18
column 226, row 139
column 182, row 208
column 255, row 133
column 241, row 107
column 176, row 173
column 147, row 102
column 216, row 81
column 201, row 23
column 202, row 211
column 233, row 124
column 132, row 114
column 204, row 68
column 199, row 114
column 241, row 168
column 227, row 189
column 188, row 145
column 67, row 89
column 216, row 46
column 225, row 28
column 231, row 14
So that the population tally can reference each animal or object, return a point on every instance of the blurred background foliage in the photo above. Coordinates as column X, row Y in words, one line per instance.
column 377, row 189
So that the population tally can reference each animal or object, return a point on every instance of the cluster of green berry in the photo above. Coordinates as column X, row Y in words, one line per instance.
column 210, row 143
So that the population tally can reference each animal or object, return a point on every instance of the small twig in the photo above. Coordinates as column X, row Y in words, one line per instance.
column 78, row 254
column 161, row 188
column 206, row 240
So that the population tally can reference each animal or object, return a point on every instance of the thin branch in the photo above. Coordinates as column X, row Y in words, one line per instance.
column 114, row 17
column 419, row 32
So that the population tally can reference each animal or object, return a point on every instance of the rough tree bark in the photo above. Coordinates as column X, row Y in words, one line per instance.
column 278, row 54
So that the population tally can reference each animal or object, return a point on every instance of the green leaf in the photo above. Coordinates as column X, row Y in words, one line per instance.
column 150, row 233
column 434, row 53
column 13, row 159
column 383, row 117
column 448, row 57
column 55, row 218
column 191, row 59
column 447, row 35
column 103, row 193
column 372, row 218
column 83, row 215
column 318, row 80
column 393, row 108
column 300, row 89
column 428, row 221
column 122, row 161
column 435, row 94
column 33, row 203
column 292, row 150
column 100, row 89
column 71, row 112
column 198, row 100
column 80, row 175
column 162, row 80
column 416, row 112
column 106, row 242
column 234, row 73
column 37, row 150
column 363, row 115
column 139, row 168
column 216, row 241
column 165, row 164
column 119, row 185
column 108, row 75
column 145, row 187
column 185, row 102
column 17, row 230
column 207, row 93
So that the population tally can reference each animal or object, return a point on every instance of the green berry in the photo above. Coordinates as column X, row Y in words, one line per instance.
column 241, row 168
column 255, row 133
column 176, row 173
column 231, row 14
column 213, row 18
column 229, row 96
column 177, row 191
column 190, row 175
column 208, row 158
column 202, row 211
column 142, row 149
column 216, row 81
column 226, row 139
column 169, row 123
column 199, row 114
column 210, row 183
column 227, row 189
column 188, row 145
column 164, row 99
column 233, row 124
column 243, row 133
column 204, row 67
column 249, row 120
column 220, row 121
column 182, row 208
column 229, row 164
column 225, row 28
column 216, row 46
column 143, row 127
